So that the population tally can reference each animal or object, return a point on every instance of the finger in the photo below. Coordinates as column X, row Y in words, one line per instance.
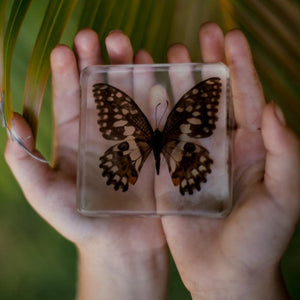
column 119, row 48
column 120, row 51
column 178, row 53
column 65, row 86
column 39, row 182
column 182, row 80
column 29, row 172
column 247, row 92
column 88, row 50
column 144, row 79
column 211, row 40
column 282, row 170
column 143, row 57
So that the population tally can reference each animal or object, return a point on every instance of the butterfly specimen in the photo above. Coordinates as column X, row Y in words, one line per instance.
column 193, row 116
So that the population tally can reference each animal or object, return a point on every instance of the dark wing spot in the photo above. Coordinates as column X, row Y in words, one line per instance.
column 123, row 146
column 189, row 147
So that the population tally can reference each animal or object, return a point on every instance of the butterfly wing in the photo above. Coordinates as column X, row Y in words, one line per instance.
column 195, row 116
column 119, row 118
column 121, row 163
column 188, row 164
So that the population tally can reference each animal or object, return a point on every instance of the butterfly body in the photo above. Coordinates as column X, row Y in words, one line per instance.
column 120, row 118
column 157, row 142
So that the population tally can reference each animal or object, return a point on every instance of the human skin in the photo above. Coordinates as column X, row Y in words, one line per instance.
column 119, row 258
column 238, row 257
column 127, row 258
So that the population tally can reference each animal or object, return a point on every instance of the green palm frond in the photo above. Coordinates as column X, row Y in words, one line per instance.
column 89, row 14
column 3, row 7
column 154, row 25
column 272, row 27
column 18, row 12
column 55, row 20
column 273, row 30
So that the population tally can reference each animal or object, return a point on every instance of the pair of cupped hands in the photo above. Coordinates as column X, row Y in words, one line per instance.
column 237, row 257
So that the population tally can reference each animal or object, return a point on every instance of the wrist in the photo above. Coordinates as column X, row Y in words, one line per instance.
column 120, row 275
column 266, row 286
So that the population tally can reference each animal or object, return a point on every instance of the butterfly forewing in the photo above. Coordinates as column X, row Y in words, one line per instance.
column 195, row 114
column 119, row 116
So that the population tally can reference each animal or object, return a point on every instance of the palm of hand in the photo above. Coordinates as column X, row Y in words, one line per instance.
column 213, row 252
column 54, row 192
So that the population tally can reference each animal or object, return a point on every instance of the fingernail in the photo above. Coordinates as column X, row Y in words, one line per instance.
column 279, row 114
column 115, row 31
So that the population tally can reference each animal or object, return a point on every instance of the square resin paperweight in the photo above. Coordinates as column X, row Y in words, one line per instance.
column 155, row 140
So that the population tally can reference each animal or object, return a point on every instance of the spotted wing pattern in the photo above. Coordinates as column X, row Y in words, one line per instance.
column 121, row 163
column 194, row 116
column 119, row 118
column 188, row 164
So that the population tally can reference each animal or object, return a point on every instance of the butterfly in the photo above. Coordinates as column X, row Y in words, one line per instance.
column 120, row 119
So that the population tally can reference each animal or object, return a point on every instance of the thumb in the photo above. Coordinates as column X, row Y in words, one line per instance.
column 31, row 174
column 282, row 170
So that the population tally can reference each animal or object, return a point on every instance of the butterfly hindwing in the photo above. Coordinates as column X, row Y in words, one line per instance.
column 121, row 163
column 188, row 164
column 119, row 117
column 195, row 114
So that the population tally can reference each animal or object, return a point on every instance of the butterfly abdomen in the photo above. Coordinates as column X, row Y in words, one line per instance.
column 157, row 145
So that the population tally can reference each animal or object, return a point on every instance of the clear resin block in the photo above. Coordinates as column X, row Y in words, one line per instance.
column 155, row 140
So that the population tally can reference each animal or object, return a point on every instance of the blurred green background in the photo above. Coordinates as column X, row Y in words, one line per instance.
column 36, row 262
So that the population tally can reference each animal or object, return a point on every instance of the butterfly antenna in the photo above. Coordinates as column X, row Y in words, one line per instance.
column 156, row 107
column 164, row 113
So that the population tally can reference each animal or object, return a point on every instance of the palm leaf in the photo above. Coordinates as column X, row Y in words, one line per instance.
column 141, row 21
column 272, row 28
column 160, row 23
column 55, row 20
column 276, row 52
column 18, row 12
column 89, row 14
column 187, row 19
column 104, row 16
column 3, row 6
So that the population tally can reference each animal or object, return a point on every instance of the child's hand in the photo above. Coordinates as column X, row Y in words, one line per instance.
column 119, row 257
column 238, row 257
